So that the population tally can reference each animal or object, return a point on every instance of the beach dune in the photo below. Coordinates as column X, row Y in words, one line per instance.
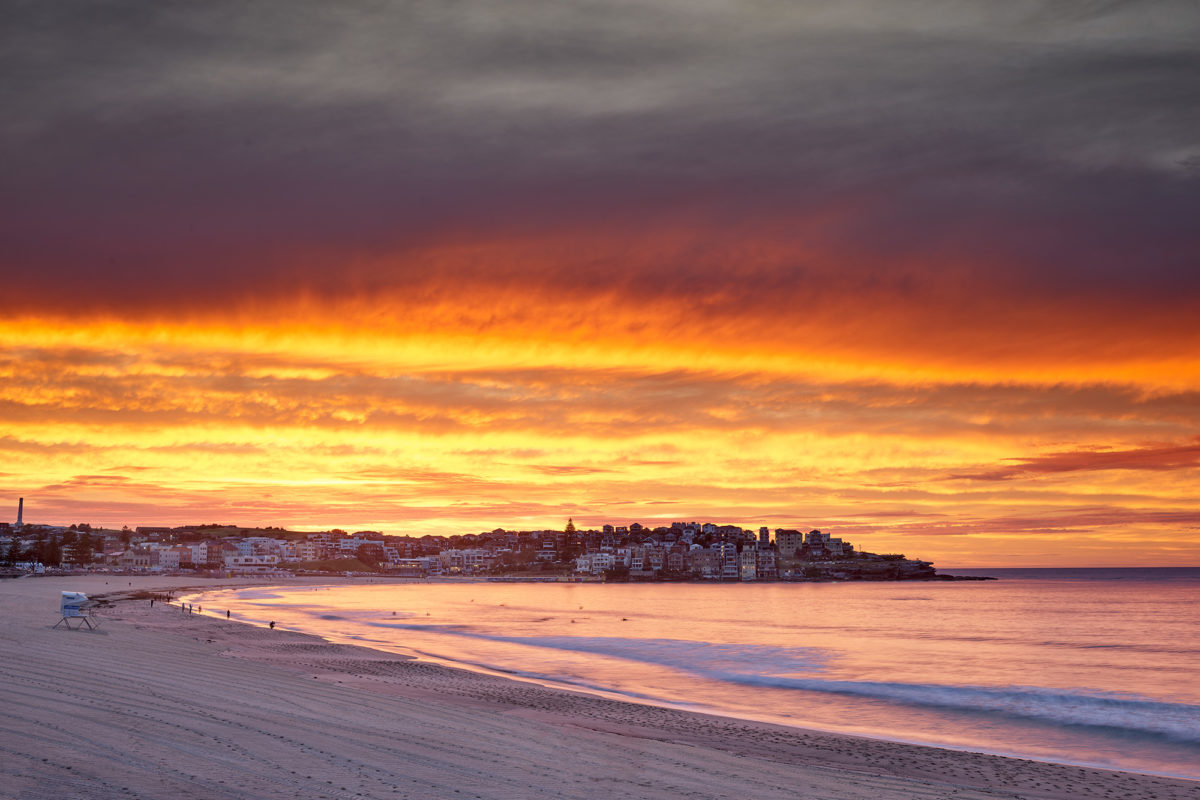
column 162, row 704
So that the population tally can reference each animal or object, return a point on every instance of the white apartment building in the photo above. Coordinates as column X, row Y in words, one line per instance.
column 595, row 563
column 471, row 560
column 266, row 562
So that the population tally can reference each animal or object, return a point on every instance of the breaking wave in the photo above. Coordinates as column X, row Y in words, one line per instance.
column 1062, row 707
column 802, row 669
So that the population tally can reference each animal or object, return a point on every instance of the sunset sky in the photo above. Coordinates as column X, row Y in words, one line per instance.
column 925, row 275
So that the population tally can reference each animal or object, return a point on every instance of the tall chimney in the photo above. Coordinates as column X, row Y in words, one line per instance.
column 20, row 511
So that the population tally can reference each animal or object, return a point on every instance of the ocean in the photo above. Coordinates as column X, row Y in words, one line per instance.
column 1097, row 667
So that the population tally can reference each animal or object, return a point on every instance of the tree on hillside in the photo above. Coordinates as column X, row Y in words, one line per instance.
column 520, row 559
column 38, row 551
column 15, row 551
column 53, row 553
column 82, row 551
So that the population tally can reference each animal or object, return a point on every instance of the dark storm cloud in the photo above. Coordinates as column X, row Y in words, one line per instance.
column 193, row 153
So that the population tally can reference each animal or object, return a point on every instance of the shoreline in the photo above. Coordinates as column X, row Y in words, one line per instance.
column 641, row 700
column 158, row 703
column 268, row 579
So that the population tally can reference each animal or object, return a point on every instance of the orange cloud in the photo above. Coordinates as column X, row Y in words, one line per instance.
column 1144, row 458
column 539, row 444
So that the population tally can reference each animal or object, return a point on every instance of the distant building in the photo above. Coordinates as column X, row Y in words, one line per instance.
column 819, row 546
column 418, row 567
column 468, row 561
column 595, row 563
column 252, row 564
column 138, row 558
column 729, row 560
column 748, row 566
column 548, row 551
column 788, row 542
column 766, row 568
column 702, row 563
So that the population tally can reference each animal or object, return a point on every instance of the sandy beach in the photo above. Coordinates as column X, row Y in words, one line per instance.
column 160, row 704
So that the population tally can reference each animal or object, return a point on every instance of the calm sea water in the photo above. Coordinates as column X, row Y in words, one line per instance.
column 1097, row 667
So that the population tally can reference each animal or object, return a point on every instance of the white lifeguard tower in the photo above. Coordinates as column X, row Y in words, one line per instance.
column 77, row 608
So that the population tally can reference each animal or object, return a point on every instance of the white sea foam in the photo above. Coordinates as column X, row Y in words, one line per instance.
column 1127, row 713
column 799, row 669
